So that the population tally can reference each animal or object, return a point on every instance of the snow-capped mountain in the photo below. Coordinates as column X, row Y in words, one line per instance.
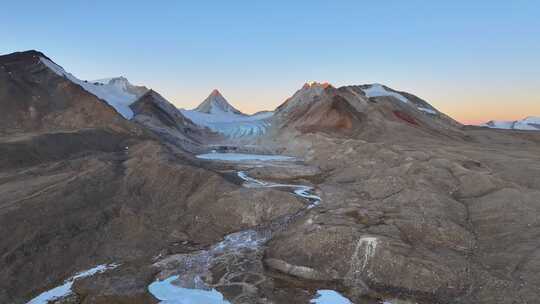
column 379, row 90
column 117, row 92
column 123, row 84
column 349, row 109
column 217, row 114
column 531, row 123
column 215, row 103
column 313, row 89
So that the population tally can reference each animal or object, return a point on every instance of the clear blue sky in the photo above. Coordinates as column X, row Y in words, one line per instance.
column 472, row 59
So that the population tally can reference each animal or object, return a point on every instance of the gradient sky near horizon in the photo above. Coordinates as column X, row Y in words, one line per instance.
column 474, row 60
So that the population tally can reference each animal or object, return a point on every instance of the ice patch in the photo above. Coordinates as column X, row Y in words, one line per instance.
column 376, row 90
column 238, row 157
column 326, row 296
column 65, row 289
column 168, row 293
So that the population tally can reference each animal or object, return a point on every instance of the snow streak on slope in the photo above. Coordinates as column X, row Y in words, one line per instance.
column 65, row 289
column 114, row 92
column 530, row 123
column 230, row 124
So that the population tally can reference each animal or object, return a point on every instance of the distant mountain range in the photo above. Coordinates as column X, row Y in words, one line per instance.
column 530, row 123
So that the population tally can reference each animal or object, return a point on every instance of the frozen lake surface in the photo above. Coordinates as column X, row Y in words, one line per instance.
column 326, row 296
column 238, row 157
column 168, row 293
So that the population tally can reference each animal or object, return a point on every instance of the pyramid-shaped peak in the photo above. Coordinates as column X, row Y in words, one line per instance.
column 215, row 103
column 215, row 92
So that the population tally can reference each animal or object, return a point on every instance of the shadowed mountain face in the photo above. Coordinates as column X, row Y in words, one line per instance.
column 382, row 199
column 157, row 114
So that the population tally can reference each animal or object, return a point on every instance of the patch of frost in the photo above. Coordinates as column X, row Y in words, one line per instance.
column 65, row 289
column 326, row 296
column 376, row 90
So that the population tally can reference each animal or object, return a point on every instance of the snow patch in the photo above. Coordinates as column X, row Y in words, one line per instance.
column 376, row 90
column 65, row 289
column 326, row 296
column 429, row 111
column 115, row 93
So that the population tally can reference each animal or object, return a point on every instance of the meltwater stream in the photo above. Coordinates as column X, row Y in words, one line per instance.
column 182, row 274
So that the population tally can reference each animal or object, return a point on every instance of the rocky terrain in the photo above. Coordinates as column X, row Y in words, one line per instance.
column 381, row 198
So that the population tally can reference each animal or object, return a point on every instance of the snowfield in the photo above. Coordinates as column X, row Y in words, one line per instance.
column 115, row 93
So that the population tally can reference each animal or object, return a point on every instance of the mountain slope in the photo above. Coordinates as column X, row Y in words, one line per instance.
column 163, row 118
column 365, row 109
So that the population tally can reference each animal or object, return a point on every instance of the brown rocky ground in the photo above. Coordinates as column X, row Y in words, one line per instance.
column 437, row 221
